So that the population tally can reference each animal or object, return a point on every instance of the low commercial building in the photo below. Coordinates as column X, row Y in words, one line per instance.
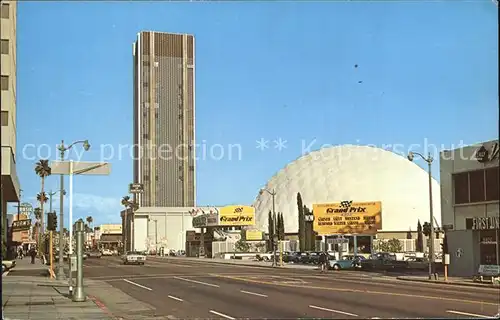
column 189, row 229
column 159, row 227
column 470, row 206
column 109, row 235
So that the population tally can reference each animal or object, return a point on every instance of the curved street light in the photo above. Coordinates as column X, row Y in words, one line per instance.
column 429, row 159
column 62, row 149
column 275, row 239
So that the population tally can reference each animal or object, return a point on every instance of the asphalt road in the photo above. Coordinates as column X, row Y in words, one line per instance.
column 180, row 289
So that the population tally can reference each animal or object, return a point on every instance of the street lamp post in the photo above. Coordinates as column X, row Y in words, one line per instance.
column 51, row 194
column 156, row 234
column 62, row 149
column 273, row 195
column 429, row 159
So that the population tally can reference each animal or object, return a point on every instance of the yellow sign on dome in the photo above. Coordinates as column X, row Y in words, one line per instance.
column 347, row 217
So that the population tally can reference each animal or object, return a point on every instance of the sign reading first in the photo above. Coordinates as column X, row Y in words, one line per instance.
column 347, row 217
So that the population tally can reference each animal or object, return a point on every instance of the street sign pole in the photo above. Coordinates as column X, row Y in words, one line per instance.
column 70, row 278
column 72, row 168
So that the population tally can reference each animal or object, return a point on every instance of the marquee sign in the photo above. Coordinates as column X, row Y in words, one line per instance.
column 347, row 217
column 205, row 218
column 484, row 154
column 21, row 225
column 482, row 223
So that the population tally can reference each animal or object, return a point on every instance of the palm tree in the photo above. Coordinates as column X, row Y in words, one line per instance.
column 36, row 230
column 128, row 204
column 38, row 213
column 125, row 202
column 89, row 220
column 43, row 170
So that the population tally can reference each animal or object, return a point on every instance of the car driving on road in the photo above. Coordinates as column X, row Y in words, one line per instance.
column 107, row 252
column 94, row 254
column 134, row 257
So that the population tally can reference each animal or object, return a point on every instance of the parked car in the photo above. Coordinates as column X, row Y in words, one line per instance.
column 134, row 257
column 107, row 252
column 383, row 261
column 314, row 257
column 356, row 260
column 337, row 264
column 8, row 264
column 292, row 257
column 304, row 257
column 268, row 256
column 417, row 263
column 94, row 254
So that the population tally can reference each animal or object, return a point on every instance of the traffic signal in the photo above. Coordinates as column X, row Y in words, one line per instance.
column 51, row 221
column 426, row 228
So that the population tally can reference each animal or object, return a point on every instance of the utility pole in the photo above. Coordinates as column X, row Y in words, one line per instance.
column 19, row 205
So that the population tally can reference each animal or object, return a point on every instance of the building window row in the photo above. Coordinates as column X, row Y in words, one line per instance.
column 4, row 12
column 476, row 186
column 4, row 83
column 4, row 46
column 5, row 118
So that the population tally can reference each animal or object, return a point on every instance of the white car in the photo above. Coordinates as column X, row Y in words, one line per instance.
column 8, row 264
column 134, row 257
column 107, row 252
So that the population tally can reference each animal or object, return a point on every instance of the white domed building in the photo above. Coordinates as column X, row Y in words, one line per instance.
column 354, row 173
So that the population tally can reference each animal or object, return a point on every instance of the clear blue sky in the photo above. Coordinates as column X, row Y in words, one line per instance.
column 268, row 70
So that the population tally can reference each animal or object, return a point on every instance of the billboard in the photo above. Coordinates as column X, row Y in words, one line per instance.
column 111, row 228
column 347, row 217
column 237, row 216
column 205, row 220
column 253, row 235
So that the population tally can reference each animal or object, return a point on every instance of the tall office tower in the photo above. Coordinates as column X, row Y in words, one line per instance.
column 9, row 191
column 164, row 129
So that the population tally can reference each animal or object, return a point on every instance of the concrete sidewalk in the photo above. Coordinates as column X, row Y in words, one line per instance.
column 28, row 293
column 37, row 298
column 451, row 280
column 25, row 268
column 247, row 263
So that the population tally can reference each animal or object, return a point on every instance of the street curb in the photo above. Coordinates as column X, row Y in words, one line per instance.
column 103, row 307
column 219, row 263
column 245, row 264
column 477, row 285
column 232, row 264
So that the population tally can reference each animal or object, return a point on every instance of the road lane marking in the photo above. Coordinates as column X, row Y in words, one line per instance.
column 136, row 284
column 362, row 291
column 221, row 315
column 166, row 264
column 199, row 282
column 157, row 276
column 175, row 298
column 334, row 311
column 470, row 314
column 253, row 293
